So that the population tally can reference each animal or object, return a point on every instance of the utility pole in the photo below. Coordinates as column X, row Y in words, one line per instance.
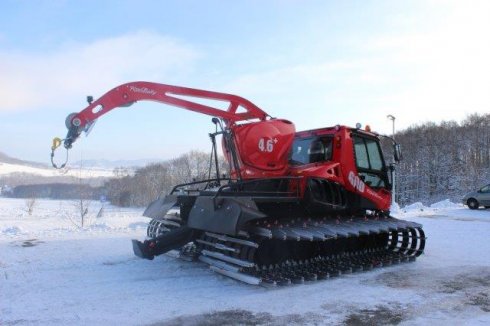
column 392, row 165
column 392, row 118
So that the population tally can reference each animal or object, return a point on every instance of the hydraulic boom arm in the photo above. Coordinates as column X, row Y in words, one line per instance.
column 239, row 109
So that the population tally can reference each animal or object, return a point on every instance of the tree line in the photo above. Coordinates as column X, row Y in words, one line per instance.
column 147, row 183
column 444, row 160
column 56, row 191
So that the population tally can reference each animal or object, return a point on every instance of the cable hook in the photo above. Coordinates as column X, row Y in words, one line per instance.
column 57, row 143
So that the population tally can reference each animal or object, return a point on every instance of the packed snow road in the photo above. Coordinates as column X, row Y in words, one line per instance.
column 55, row 272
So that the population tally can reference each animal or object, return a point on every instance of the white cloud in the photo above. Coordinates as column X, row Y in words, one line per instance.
column 447, row 64
column 31, row 81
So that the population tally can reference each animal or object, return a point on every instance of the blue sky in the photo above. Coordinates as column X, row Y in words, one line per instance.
column 316, row 63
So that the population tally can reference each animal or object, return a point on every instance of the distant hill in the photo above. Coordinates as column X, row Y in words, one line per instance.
column 85, row 164
column 112, row 164
column 15, row 172
column 4, row 158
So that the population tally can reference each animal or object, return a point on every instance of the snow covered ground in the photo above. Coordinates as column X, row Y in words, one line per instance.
column 52, row 271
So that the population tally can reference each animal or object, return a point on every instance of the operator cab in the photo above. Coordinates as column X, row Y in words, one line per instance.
column 308, row 148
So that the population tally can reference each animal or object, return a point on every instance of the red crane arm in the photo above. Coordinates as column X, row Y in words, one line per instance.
column 239, row 109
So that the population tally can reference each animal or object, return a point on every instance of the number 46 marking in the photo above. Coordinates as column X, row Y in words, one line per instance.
column 267, row 145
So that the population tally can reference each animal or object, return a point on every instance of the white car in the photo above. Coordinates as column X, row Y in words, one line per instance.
column 478, row 198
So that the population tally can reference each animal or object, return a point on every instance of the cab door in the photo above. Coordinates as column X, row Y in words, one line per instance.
column 370, row 162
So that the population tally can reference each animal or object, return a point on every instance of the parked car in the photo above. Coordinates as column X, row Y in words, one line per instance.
column 478, row 198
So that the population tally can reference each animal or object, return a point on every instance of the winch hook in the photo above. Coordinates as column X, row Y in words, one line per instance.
column 57, row 143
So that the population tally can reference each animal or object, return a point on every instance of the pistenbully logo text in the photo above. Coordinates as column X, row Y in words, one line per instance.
column 144, row 90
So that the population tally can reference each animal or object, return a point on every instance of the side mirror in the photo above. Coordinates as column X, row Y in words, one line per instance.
column 397, row 152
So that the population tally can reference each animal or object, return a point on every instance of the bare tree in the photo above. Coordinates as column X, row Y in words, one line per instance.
column 444, row 160
column 30, row 204
column 147, row 183
column 82, row 203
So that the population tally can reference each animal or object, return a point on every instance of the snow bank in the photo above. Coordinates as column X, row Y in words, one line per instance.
column 12, row 231
column 445, row 204
column 395, row 208
column 444, row 209
column 418, row 206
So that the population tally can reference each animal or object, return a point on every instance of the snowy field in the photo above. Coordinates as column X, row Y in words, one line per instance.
column 52, row 271
column 7, row 168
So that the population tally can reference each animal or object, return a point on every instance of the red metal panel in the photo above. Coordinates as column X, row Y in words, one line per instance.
column 264, row 146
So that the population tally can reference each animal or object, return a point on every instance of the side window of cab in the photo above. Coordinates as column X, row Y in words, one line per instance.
column 320, row 150
column 311, row 150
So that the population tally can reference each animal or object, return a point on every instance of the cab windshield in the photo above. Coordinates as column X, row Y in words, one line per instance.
column 311, row 150
column 370, row 163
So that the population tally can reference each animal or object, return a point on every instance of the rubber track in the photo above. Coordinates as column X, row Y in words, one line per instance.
column 227, row 256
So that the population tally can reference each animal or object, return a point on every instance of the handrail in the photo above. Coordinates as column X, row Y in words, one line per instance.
column 241, row 183
column 196, row 182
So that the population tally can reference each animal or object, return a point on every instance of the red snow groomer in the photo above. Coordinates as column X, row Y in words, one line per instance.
column 297, row 206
